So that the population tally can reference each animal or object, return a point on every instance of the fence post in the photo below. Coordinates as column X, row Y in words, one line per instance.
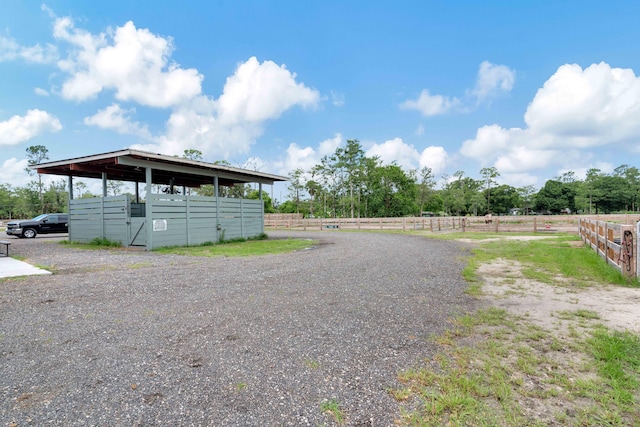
column 637, row 249
column 627, row 247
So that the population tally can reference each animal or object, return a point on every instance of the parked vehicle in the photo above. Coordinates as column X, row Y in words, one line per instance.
column 42, row 224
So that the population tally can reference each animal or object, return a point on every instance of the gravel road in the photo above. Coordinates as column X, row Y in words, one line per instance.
column 132, row 338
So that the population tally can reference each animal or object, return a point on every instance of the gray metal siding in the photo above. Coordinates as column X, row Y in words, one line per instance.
column 190, row 220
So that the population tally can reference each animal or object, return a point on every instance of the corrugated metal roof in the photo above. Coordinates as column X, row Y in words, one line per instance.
column 129, row 165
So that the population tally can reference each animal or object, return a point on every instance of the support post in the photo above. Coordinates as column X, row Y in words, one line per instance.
column 104, row 184
column 149, row 208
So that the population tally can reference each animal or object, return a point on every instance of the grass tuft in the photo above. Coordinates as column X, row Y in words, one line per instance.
column 240, row 248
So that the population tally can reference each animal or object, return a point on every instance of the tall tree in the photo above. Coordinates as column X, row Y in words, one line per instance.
column 314, row 189
column 36, row 154
column 114, row 186
column 609, row 194
column 527, row 194
column 489, row 175
column 589, row 184
column 426, row 186
column 296, row 186
column 349, row 162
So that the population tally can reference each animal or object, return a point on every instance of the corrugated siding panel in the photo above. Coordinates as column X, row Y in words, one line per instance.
column 191, row 220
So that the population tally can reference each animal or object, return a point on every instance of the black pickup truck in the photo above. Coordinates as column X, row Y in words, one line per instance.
column 42, row 224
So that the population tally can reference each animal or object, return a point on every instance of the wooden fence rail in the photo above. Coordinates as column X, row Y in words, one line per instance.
column 530, row 223
column 616, row 243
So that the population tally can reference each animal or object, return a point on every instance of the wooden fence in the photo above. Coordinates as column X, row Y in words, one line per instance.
column 613, row 242
column 525, row 223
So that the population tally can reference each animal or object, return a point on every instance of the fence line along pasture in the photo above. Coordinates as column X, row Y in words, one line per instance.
column 498, row 224
column 616, row 243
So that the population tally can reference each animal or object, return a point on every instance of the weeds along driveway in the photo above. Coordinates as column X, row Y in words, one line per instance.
column 121, row 338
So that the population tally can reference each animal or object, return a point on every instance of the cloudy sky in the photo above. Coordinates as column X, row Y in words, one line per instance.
column 534, row 88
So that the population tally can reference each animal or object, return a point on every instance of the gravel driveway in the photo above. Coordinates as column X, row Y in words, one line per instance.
column 125, row 338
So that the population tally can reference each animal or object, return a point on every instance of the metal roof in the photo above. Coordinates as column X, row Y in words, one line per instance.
column 129, row 165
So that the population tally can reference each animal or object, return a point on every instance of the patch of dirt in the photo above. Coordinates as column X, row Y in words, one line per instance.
column 494, row 239
column 554, row 307
column 541, row 303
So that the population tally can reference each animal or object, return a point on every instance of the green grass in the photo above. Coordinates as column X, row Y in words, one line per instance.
column 96, row 243
column 492, row 365
column 545, row 259
column 241, row 248
column 511, row 363
column 333, row 408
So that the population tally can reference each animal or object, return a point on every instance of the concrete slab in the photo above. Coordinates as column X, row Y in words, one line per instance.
column 11, row 267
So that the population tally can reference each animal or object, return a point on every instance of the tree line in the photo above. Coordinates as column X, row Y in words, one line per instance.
column 349, row 184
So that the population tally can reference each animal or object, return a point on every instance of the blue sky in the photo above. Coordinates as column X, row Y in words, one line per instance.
column 534, row 88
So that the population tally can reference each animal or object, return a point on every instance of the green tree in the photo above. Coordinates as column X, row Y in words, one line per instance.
column 314, row 189
column 425, row 188
column 266, row 199
column 296, row 186
column 393, row 192
column 554, row 197
column 527, row 194
column 36, row 154
column 505, row 197
column 349, row 164
column 6, row 201
column 26, row 201
column 609, row 194
column 56, row 198
column 192, row 154
column 489, row 175
column 631, row 190
column 114, row 186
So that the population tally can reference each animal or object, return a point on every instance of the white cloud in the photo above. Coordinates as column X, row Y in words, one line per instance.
column 221, row 128
column 197, row 127
column 525, row 159
column 492, row 80
column 395, row 150
column 22, row 128
column 115, row 118
column 337, row 98
column 490, row 141
column 11, row 50
column 519, row 179
column 13, row 171
column 254, row 164
column 306, row 158
column 434, row 157
column 431, row 105
column 419, row 130
column 585, row 108
column 135, row 67
column 257, row 92
column 329, row 146
column 581, row 173
column 575, row 110
column 41, row 92
column 133, row 62
column 406, row 155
